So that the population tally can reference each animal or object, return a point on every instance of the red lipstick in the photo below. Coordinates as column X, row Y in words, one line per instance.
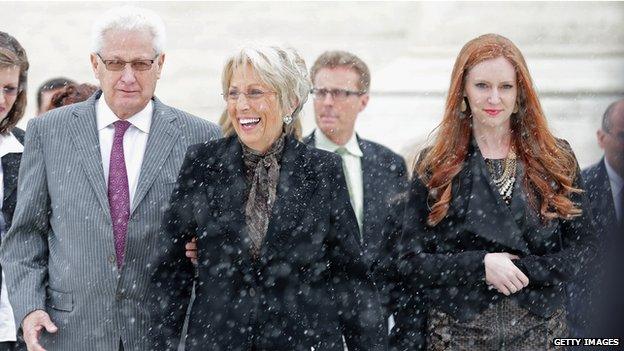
column 492, row 112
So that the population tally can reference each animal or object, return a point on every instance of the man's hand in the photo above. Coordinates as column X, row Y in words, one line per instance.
column 32, row 325
column 191, row 250
column 502, row 274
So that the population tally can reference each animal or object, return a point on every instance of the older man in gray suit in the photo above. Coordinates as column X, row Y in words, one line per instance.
column 94, row 181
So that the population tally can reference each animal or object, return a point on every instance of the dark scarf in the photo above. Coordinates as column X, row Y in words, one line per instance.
column 262, row 174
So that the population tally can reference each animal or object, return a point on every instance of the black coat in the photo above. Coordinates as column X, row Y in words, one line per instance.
column 310, row 263
column 10, row 170
column 598, row 189
column 442, row 266
column 384, row 180
column 585, row 292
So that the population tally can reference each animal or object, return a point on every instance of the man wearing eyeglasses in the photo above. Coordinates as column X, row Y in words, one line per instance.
column 604, row 183
column 375, row 175
column 95, row 180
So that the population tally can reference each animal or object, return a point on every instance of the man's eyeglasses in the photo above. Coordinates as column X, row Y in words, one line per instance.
column 253, row 94
column 10, row 91
column 336, row 94
column 137, row 65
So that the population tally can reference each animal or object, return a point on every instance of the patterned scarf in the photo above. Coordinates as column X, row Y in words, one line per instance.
column 262, row 174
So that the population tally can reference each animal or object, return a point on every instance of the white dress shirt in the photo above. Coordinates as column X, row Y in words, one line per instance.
column 617, row 188
column 8, row 144
column 352, row 160
column 134, row 142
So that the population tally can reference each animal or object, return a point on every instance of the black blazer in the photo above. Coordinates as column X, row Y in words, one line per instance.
column 384, row 181
column 10, row 170
column 598, row 189
column 310, row 284
column 443, row 265
column 384, row 185
column 582, row 295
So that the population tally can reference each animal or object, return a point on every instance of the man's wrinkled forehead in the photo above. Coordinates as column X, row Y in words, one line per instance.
column 341, row 77
column 121, row 41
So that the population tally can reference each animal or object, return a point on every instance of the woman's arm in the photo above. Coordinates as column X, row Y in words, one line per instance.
column 173, row 275
column 418, row 264
column 578, row 246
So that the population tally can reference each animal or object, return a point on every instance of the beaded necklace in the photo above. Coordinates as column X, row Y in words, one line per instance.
column 506, row 181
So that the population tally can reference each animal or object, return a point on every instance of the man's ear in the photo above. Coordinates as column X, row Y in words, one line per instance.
column 600, row 136
column 160, row 61
column 94, row 64
column 363, row 102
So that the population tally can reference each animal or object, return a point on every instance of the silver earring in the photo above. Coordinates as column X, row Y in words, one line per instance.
column 287, row 119
column 463, row 106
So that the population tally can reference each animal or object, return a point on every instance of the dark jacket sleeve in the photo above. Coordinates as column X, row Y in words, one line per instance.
column 578, row 243
column 173, row 277
column 419, row 267
column 410, row 318
column 384, row 268
column 419, row 263
column 361, row 316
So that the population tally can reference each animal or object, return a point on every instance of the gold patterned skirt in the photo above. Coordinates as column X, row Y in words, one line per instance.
column 503, row 326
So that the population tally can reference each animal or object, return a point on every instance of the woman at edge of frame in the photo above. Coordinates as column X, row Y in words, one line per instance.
column 13, row 89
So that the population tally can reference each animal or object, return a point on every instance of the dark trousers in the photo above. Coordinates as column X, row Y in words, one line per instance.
column 7, row 346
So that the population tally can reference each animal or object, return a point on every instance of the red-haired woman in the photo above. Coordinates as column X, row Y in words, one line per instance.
column 496, row 220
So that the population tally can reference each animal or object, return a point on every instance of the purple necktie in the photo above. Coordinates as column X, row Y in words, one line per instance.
column 118, row 192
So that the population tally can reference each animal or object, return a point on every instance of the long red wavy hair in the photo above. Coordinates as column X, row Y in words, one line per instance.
column 550, row 166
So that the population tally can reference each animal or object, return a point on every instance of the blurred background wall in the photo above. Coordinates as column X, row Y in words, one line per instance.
column 575, row 52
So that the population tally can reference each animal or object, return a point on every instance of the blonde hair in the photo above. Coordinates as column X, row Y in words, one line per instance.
column 280, row 68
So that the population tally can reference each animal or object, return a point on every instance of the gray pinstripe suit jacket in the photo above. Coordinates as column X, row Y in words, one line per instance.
column 59, row 254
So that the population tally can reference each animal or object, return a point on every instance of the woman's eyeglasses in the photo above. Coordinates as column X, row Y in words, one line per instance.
column 254, row 94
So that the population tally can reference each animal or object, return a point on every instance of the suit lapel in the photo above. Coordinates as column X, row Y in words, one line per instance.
column 603, row 197
column 160, row 141
column 310, row 140
column 520, row 207
column 369, row 202
column 229, row 200
column 86, row 142
column 294, row 186
column 10, row 170
column 487, row 215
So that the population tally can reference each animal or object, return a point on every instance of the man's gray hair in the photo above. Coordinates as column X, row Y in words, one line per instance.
column 129, row 18
column 280, row 68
